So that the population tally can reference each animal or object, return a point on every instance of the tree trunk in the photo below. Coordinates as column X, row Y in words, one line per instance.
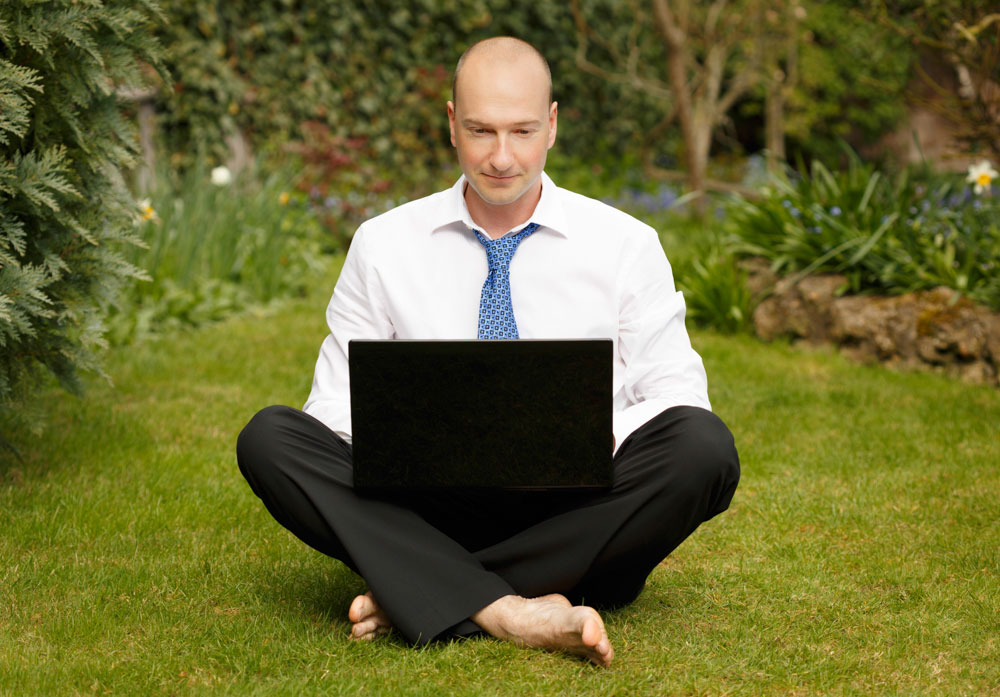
column 697, row 151
column 774, row 123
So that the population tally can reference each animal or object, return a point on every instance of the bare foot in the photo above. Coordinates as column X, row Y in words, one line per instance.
column 550, row 622
column 369, row 620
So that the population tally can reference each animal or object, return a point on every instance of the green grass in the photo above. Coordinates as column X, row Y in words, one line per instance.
column 860, row 555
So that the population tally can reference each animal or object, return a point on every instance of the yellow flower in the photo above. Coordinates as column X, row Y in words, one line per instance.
column 283, row 198
column 981, row 175
column 146, row 211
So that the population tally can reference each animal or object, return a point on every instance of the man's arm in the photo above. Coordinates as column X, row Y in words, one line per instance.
column 356, row 311
column 662, row 370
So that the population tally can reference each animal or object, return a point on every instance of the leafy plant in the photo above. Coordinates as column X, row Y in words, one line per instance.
column 65, row 215
column 914, row 231
column 704, row 265
column 213, row 250
column 375, row 75
column 715, row 290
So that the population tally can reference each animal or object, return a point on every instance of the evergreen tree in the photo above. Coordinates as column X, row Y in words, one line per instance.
column 64, row 211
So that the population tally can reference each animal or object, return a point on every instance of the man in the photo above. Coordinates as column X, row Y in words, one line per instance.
column 516, row 566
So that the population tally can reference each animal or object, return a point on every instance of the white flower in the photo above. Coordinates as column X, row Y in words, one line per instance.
column 221, row 176
column 981, row 175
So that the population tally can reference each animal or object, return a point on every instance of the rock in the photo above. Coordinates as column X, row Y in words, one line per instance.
column 864, row 325
column 760, row 279
column 932, row 328
column 991, row 335
column 800, row 310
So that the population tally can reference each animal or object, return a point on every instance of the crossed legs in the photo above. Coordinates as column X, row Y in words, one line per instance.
column 516, row 566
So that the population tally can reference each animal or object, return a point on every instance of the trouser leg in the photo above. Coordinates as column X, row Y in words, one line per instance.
column 425, row 581
column 673, row 473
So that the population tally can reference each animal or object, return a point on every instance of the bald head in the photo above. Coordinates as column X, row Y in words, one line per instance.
column 502, row 50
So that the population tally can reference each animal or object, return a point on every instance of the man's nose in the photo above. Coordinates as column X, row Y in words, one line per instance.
column 502, row 157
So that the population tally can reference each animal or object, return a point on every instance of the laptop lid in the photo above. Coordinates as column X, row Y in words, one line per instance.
column 517, row 414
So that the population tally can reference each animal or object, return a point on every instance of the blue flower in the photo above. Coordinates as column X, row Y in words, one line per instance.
column 786, row 203
column 835, row 211
column 795, row 212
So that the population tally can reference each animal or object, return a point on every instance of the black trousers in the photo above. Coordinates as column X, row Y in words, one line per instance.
column 434, row 559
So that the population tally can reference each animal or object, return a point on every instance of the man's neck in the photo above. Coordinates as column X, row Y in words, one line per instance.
column 496, row 221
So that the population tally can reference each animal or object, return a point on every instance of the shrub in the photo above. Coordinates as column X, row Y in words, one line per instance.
column 914, row 231
column 216, row 249
column 704, row 265
column 64, row 213
column 375, row 75
column 716, row 293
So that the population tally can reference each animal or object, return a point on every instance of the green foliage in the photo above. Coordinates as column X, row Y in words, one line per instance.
column 361, row 87
column 214, row 250
column 716, row 292
column 705, row 269
column 890, row 235
column 65, row 215
column 853, row 76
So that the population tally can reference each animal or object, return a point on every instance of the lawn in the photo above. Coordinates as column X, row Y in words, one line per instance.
column 860, row 555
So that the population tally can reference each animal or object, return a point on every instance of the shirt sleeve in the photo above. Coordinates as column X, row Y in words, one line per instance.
column 356, row 311
column 662, row 370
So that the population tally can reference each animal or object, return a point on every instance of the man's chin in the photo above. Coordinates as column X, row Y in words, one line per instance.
column 498, row 195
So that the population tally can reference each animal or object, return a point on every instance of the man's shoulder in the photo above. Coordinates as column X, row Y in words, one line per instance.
column 585, row 212
column 418, row 213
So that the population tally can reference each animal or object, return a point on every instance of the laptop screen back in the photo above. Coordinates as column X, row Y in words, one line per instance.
column 518, row 414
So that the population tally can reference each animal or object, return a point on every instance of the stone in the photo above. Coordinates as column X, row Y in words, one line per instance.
column 936, row 328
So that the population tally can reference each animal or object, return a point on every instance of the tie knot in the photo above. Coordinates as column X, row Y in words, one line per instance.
column 499, row 252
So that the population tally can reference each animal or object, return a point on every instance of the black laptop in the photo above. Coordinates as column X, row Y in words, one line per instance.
column 519, row 414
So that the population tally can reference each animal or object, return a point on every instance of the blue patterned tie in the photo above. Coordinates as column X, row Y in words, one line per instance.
column 496, row 314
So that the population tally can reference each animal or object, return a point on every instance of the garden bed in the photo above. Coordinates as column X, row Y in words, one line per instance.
column 934, row 329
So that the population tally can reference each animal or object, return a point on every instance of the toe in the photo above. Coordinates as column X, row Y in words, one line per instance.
column 361, row 607
column 363, row 629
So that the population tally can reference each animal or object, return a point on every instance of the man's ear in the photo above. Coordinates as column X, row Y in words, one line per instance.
column 553, row 113
column 451, row 123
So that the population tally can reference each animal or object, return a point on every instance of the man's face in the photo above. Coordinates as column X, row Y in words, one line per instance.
column 502, row 126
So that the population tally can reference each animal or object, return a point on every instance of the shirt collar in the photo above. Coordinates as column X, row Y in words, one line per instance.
column 549, row 213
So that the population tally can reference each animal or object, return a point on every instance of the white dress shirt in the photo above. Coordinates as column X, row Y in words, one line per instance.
column 589, row 271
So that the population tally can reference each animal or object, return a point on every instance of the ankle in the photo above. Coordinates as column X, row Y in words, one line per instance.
column 497, row 617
